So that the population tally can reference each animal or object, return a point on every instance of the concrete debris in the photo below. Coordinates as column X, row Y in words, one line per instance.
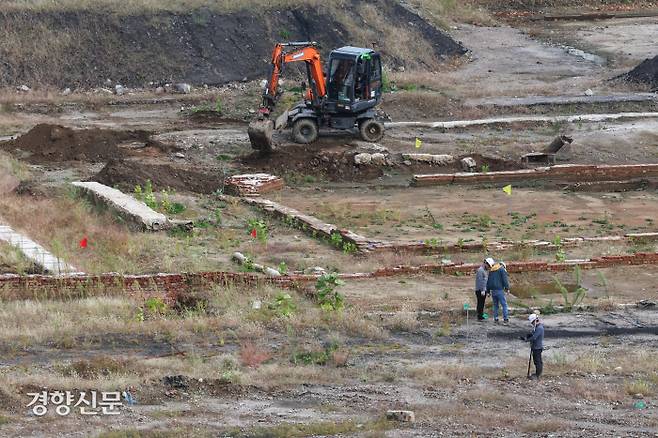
column 362, row 159
column 440, row 159
column 369, row 148
column 378, row 159
column 182, row 88
column 252, row 184
column 119, row 90
column 589, row 92
column 38, row 255
column 160, row 90
column 468, row 164
column 66, row 91
column 136, row 213
column 248, row 263
column 23, row 88
column 402, row 416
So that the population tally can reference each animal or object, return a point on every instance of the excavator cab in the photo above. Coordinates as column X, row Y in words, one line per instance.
column 354, row 80
column 341, row 96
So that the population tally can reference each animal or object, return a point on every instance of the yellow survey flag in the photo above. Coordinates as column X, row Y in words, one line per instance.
column 419, row 143
column 508, row 189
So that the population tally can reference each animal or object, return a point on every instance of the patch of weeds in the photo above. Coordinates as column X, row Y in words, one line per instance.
column 153, row 307
column 328, row 297
column 258, row 229
column 571, row 299
column 316, row 357
column 484, row 168
column 560, row 254
column 253, row 356
column 639, row 386
column 283, row 305
column 283, row 268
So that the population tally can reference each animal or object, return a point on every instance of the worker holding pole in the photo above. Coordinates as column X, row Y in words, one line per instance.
column 536, row 339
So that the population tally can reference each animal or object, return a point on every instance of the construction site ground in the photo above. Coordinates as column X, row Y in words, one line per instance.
column 231, row 362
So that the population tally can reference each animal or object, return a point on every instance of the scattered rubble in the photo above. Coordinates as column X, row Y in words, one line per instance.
column 440, row 159
column 402, row 416
column 252, row 184
column 468, row 164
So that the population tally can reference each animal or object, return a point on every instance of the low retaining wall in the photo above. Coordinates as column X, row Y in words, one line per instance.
column 566, row 242
column 309, row 224
column 578, row 118
column 562, row 172
column 34, row 252
column 138, row 214
column 170, row 286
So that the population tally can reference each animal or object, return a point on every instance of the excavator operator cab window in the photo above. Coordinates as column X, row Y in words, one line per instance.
column 341, row 80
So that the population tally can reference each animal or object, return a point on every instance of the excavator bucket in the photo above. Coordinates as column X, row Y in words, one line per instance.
column 260, row 135
column 260, row 132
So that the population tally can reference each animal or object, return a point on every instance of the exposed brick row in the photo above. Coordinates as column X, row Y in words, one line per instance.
column 170, row 286
column 563, row 172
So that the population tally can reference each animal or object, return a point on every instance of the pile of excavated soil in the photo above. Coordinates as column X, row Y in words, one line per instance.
column 645, row 73
column 52, row 143
column 126, row 174
column 322, row 159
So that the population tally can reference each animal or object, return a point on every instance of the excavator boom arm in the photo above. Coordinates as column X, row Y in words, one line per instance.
column 309, row 54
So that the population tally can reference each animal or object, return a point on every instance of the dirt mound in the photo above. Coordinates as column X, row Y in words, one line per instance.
column 126, row 174
column 645, row 73
column 52, row 143
column 324, row 159
column 202, row 45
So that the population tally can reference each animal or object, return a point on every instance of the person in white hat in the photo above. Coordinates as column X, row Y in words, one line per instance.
column 536, row 339
column 481, row 285
column 497, row 286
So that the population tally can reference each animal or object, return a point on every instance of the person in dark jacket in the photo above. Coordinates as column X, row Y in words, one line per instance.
column 497, row 285
column 481, row 285
column 536, row 339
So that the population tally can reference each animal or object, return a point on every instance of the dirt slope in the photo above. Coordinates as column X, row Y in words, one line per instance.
column 84, row 48
column 646, row 73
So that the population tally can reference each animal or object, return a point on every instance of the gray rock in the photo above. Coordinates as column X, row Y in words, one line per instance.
column 589, row 92
column 468, row 164
column 160, row 90
column 67, row 91
column 402, row 416
column 23, row 88
column 360, row 159
column 119, row 90
column 378, row 159
column 183, row 88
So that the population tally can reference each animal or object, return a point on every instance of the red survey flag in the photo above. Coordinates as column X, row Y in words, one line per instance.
column 83, row 243
column 254, row 233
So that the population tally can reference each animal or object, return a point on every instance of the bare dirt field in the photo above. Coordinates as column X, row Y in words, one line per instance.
column 323, row 349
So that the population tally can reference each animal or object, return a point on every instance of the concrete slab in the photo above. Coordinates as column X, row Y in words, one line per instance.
column 35, row 252
column 138, row 214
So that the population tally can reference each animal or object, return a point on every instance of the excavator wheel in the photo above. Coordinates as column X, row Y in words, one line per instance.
column 371, row 130
column 305, row 131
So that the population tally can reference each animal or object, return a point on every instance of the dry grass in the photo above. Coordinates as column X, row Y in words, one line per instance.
column 444, row 12
column 127, row 7
column 449, row 375
column 60, row 223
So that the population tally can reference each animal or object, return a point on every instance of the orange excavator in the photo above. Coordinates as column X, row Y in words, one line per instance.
column 342, row 97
